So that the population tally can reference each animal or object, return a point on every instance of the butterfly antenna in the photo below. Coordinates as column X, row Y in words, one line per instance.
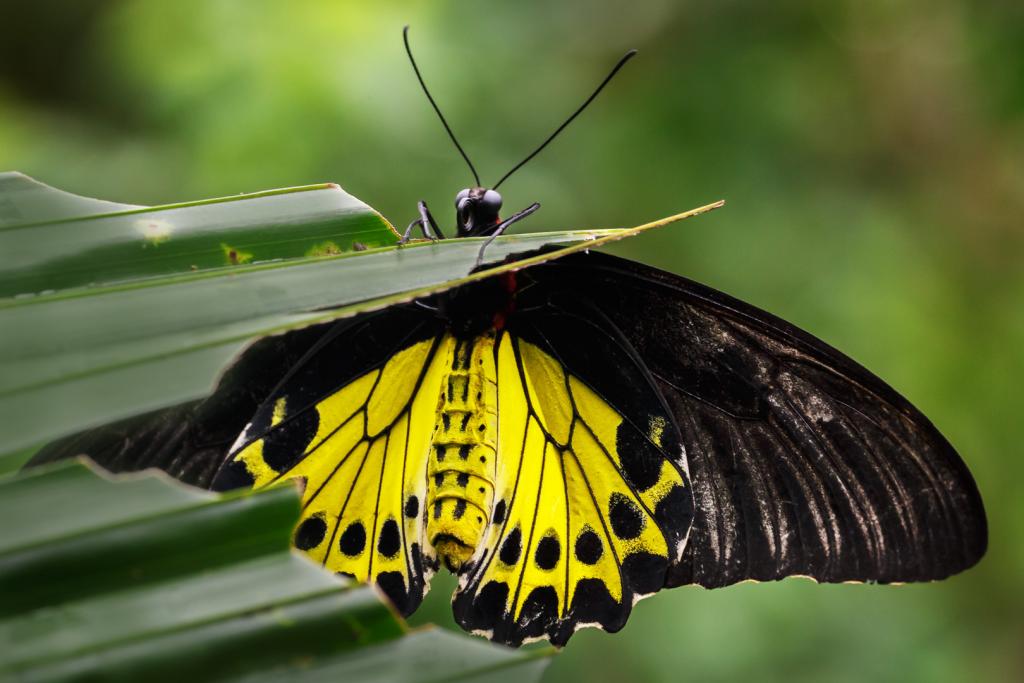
column 405, row 37
column 622, row 62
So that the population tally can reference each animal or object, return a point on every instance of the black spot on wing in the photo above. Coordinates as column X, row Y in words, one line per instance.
column 645, row 572
column 499, row 512
column 310, row 533
column 353, row 540
column 592, row 604
column 233, row 475
column 673, row 513
column 390, row 542
column 547, row 553
column 589, row 547
column 393, row 585
column 641, row 460
column 511, row 548
column 412, row 507
column 626, row 518
column 538, row 616
column 483, row 610
column 285, row 444
column 416, row 582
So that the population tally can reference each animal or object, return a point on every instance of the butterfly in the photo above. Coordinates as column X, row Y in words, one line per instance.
column 568, row 438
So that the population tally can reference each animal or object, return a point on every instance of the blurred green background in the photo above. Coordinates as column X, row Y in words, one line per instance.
column 872, row 157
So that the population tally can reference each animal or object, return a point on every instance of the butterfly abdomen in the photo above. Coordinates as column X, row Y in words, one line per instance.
column 461, row 467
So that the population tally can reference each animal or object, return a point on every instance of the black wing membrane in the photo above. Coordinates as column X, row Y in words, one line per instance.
column 189, row 441
column 802, row 462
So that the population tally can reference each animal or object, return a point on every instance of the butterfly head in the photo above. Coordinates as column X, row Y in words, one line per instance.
column 477, row 207
column 476, row 211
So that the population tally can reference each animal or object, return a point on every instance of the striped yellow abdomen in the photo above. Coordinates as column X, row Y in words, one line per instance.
column 462, row 464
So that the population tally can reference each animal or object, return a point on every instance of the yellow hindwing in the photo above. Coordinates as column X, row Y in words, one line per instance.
column 487, row 455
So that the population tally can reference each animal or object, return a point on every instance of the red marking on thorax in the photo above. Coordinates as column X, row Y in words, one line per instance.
column 508, row 283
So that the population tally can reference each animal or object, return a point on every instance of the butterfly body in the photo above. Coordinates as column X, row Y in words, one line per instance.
column 461, row 467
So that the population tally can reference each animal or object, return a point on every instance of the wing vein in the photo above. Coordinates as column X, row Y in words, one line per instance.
column 529, row 543
column 344, row 505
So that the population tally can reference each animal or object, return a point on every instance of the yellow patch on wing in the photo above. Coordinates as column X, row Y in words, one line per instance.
column 572, row 541
column 603, row 424
column 365, row 472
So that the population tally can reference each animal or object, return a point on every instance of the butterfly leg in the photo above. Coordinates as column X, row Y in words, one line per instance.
column 514, row 218
column 425, row 219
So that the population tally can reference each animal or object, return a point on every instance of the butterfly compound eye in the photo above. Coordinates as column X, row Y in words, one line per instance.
column 461, row 196
column 491, row 200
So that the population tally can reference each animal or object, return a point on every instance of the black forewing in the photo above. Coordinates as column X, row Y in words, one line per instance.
column 802, row 462
column 191, row 441
column 345, row 352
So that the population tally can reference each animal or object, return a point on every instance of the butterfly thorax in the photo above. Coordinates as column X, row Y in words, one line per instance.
column 480, row 308
column 461, row 467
